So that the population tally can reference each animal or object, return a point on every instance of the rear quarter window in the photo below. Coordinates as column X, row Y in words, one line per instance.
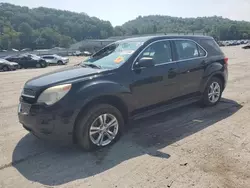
column 211, row 47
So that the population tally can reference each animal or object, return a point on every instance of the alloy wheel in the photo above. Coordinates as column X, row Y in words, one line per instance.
column 104, row 129
column 214, row 92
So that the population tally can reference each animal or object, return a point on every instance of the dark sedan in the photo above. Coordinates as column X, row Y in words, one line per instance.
column 247, row 46
column 28, row 61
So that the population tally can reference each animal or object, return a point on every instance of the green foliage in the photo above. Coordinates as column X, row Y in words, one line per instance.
column 218, row 27
column 47, row 28
column 21, row 27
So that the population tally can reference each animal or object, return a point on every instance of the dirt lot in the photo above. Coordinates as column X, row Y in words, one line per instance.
column 187, row 147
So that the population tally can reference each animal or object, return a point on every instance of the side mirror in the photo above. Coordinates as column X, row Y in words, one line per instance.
column 145, row 62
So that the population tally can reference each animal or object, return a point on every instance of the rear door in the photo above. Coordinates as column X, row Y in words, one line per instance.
column 49, row 59
column 158, row 83
column 191, row 60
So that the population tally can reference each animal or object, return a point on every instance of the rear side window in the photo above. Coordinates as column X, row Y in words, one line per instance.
column 186, row 49
column 48, row 57
column 211, row 46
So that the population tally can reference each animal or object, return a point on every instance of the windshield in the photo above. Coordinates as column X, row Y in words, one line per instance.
column 114, row 55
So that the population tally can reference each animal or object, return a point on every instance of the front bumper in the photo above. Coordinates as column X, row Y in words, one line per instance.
column 54, row 124
column 13, row 67
column 65, row 61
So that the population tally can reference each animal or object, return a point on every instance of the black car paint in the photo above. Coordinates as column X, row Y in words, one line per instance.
column 27, row 62
column 136, row 91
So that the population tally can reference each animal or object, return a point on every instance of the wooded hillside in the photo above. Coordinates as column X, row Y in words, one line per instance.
column 22, row 27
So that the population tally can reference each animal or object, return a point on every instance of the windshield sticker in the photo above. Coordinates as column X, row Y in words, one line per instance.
column 119, row 59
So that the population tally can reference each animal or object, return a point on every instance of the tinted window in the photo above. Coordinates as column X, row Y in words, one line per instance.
column 159, row 51
column 48, row 57
column 186, row 49
column 211, row 46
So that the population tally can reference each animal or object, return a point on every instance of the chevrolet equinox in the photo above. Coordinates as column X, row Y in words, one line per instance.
column 91, row 102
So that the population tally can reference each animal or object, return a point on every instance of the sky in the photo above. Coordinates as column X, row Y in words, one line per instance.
column 119, row 12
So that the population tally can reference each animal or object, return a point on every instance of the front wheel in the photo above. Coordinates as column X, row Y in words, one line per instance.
column 213, row 92
column 100, row 126
column 5, row 68
column 59, row 63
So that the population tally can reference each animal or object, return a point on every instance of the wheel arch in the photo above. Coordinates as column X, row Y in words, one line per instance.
column 113, row 100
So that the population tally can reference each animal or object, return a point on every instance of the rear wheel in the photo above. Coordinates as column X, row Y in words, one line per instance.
column 213, row 92
column 101, row 126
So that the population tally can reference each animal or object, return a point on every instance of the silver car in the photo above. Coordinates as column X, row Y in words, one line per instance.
column 56, row 59
column 7, row 65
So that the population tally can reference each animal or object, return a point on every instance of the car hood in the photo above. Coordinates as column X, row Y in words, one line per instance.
column 63, row 75
column 9, row 63
column 13, row 63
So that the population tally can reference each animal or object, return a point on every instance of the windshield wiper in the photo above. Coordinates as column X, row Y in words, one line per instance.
column 91, row 65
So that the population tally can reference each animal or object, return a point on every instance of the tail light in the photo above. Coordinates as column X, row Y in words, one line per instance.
column 226, row 60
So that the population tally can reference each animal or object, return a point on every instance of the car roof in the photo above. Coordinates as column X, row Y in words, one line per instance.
column 162, row 37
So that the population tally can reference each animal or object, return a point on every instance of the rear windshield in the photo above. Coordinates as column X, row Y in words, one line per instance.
column 211, row 47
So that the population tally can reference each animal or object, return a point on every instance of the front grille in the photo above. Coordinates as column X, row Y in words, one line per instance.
column 28, row 100
column 29, row 92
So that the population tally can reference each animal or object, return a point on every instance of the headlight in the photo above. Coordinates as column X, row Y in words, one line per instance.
column 54, row 94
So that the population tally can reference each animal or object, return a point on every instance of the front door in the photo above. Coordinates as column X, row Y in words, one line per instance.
column 158, row 83
column 191, row 63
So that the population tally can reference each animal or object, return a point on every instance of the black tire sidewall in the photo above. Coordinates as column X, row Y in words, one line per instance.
column 60, row 63
column 83, row 125
column 206, row 100
column 5, row 68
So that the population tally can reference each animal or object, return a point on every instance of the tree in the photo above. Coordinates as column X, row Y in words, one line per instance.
column 25, row 35
column 25, row 29
column 65, row 41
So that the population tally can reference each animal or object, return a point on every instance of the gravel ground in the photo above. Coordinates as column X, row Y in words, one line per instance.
column 183, row 148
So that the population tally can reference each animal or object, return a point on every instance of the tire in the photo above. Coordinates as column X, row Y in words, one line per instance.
column 90, row 120
column 208, row 100
column 59, row 63
column 38, row 65
column 5, row 68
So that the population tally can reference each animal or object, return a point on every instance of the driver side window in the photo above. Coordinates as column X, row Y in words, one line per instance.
column 160, row 52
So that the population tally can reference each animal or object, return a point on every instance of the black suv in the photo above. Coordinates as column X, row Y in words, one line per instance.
column 90, row 103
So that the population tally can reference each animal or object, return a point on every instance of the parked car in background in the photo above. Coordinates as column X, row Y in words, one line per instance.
column 26, row 50
column 247, row 46
column 92, row 102
column 87, row 53
column 55, row 59
column 77, row 53
column 5, row 65
column 28, row 61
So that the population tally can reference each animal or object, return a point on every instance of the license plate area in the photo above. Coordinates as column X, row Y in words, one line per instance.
column 24, row 108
